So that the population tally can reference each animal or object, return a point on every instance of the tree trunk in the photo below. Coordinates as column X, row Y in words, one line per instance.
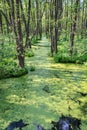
column 37, row 18
column 73, row 25
column 85, row 19
column 40, row 21
column 14, row 16
column 20, row 51
column 78, row 21
column 39, row 15
column 47, row 20
column 58, row 16
column 52, row 26
column 28, row 26
column 82, row 21
column 66, row 13
column 1, row 28
column 19, row 41
column 56, row 26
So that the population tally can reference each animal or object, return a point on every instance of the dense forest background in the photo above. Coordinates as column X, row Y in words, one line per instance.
column 64, row 22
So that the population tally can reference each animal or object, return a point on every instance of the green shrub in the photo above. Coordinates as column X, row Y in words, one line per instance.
column 34, row 40
column 29, row 53
column 57, row 57
column 19, row 72
column 82, row 58
column 32, row 67
column 64, row 58
column 11, row 69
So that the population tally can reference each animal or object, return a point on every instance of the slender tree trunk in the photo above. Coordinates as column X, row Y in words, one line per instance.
column 7, row 22
column 56, row 26
column 73, row 26
column 1, row 27
column 82, row 21
column 66, row 18
column 78, row 21
column 51, row 25
column 40, row 21
column 28, row 26
column 39, row 15
column 19, row 42
column 47, row 20
column 60, row 11
column 37, row 18
column 86, row 19
column 58, row 16
column 23, row 16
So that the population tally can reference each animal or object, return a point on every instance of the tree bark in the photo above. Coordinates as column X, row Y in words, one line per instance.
column 73, row 26
column 56, row 26
column 28, row 26
column 19, row 42
column 1, row 27
column 37, row 18
column 39, row 15
column 47, row 19
column 51, row 25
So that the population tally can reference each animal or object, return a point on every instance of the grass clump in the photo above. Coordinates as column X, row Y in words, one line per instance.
column 34, row 40
column 29, row 52
column 32, row 67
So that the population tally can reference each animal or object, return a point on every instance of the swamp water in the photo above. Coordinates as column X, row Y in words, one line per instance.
column 46, row 93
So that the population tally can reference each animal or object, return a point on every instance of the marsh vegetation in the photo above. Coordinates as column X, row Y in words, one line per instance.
column 25, row 98
column 43, row 61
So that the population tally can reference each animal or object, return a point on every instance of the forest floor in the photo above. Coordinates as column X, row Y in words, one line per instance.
column 46, row 93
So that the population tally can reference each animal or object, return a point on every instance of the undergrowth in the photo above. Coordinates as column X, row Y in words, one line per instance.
column 8, row 58
column 11, row 69
column 29, row 52
column 79, row 55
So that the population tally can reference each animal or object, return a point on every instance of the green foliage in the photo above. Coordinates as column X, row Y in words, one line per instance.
column 34, row 40
column 9, row 68
column 65, row 58
column 17, row 72
column 29, row 52
column 32, row 67
column 8, row 58
column 61, row 58
column 79, row 52
column 24, row 97
column 64, row 37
